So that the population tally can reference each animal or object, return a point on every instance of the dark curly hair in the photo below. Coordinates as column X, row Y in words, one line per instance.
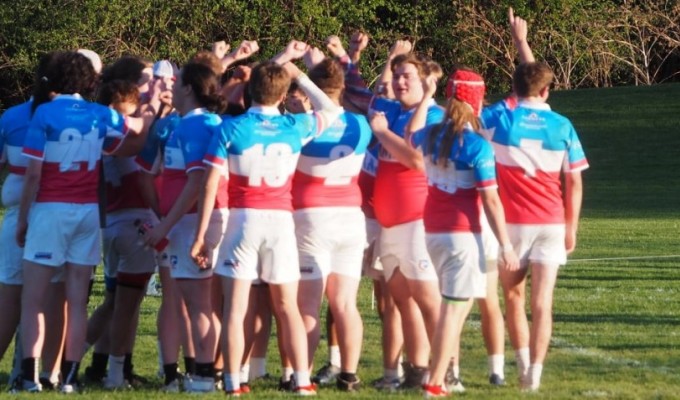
column 65, row 72
column 126, row 68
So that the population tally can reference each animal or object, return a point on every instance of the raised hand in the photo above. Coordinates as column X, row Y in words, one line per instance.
column 220, row 49
column 334, row 46
column 357, row 44
column 246, row 49
column 400, row 47
column 430, row 85
column 296, row 49
column 378, row 122
column 312, row 57
column 518, row 27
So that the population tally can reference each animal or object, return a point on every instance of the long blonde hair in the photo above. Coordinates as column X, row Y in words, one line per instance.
column 458, row 115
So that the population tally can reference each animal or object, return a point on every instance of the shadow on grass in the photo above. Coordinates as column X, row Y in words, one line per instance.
column 627, row 319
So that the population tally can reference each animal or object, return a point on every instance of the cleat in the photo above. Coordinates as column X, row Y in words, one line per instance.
column 387, row 384
column 172, row 387
column 110, row 384
column 309, row 390
column 69, row 388
column 245, row 388
column 434, row 391
column 326, row 374
column 20, row 385
column 199, row 384
column 347, row 386
column 496, row 380
column 286, row 386
column 234, row 393
column 92, row 375
column 452, row 382
column 47, row 384
column 414, row 377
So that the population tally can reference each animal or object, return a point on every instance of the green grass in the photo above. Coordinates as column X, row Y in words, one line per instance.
column 617, row 329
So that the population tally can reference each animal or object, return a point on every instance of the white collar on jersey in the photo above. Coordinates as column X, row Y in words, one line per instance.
column 534, row 105
column 194, row 112
column 266, row 110
column 74, row 96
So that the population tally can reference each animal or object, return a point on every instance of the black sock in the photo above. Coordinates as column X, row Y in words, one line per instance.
column 99, row 362
column 30, row 369
column 206, row 370
column 69, row 371
column 170, row 371
column 348, row 377
column 190, row 365
column 127, row 366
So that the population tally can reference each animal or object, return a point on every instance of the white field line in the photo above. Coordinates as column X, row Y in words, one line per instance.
column 569, row 347
column 577, row 260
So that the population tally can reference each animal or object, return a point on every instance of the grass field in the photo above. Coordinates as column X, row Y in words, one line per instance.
column 617, row 320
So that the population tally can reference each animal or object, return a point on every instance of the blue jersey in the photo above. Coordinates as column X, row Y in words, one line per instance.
column 185, row 148
column 533, row 146
column 261, row 149
column 328, row 169
column 453, row 203
column 13, row 127
column 68, row 134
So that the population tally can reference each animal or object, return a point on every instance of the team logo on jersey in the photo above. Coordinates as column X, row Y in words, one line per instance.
column 423, row 264
column 231, row 264
column 43, row 255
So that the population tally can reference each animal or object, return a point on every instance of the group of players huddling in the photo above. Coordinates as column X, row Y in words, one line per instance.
column 258, row 189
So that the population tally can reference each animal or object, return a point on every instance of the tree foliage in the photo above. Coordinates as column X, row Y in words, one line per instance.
column 589, row 43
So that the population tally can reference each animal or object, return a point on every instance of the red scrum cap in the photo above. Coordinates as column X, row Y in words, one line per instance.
column 467, row 86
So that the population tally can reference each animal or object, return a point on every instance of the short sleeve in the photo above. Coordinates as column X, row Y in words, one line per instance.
column 36, row 136
column 485, row 167
column 217, row 152
column 576, row 159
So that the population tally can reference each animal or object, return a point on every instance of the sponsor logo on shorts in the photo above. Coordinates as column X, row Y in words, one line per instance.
column 306, row 270
column 231, row 264
column 42, row 255
column 423, row 264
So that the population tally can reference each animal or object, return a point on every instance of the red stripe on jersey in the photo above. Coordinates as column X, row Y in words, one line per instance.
column 489, row 183
column 452, row 212
column 310, row 191
column 33, row 153
column 399, row 195
column 263, row 197
column 195, row 165
column 146, row 166
column 366, row 184
column 579, row 165
column 213, row 160
column 77, row 186
column 126, row 195
column 13, row 169
column 530, row 200
column 173, row 184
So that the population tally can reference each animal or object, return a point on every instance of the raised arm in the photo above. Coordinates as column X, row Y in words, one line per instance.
column 324, row 108
column 419, row 117
column 519, row 31
column 395, row 144
column 246, row 49
column 356, row 97
column 384, row 85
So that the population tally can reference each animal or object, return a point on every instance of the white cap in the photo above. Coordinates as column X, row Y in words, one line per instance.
column 94, row 59
column 163, row 69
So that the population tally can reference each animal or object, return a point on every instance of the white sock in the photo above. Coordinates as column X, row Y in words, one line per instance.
column 287, row 372
column 244, row 374
column 334, row 356
column 391, row 374
column 522, row 357
column 497, row 365
column 115, row 374
column 232, row 382
column 400, row 368
column 258, row 367
column 535, row 372
column 456, row 371
column 302, row 378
